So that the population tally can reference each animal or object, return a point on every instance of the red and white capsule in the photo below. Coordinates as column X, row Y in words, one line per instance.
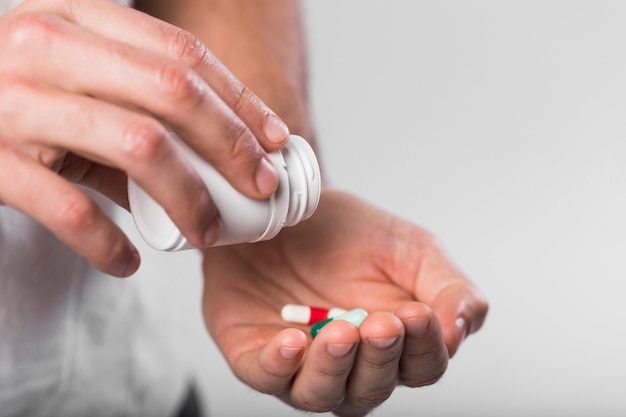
column 303, row 314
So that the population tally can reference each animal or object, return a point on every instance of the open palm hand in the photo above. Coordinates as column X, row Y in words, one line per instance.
column 349, row 254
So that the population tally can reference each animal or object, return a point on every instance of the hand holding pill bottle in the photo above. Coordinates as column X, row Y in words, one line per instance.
column 244, row 219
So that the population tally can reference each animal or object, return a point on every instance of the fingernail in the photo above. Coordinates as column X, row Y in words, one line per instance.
column 266, row 177
column 289, row 352
column 461, row 328
column 418, row 325
column 338, row 350
column 275, row 129
column 383, row 342
column 132, row 265
column 213, row 232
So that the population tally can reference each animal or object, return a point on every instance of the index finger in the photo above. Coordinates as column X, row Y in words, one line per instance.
column 146, row 32
column 111, row 67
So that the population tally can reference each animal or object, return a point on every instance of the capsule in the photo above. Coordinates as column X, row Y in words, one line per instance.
column 355, row 317
column 304, row 314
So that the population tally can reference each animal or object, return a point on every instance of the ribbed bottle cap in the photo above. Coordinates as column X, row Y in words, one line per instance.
column 305, row 183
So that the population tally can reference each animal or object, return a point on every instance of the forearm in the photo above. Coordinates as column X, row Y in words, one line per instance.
column 261, row 41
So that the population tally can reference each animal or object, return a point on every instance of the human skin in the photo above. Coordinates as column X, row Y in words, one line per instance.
column 348, row 254
column 89, row 93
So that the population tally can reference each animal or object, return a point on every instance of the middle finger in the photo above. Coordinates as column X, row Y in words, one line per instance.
column 82, row 62
column 374, row 375
column 117, row 137
column 320, row 385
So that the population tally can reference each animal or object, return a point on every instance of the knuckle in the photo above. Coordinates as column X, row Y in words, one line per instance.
column 243, row 143
column 387, row 362
column 246, row 102
column 144, row 139
column 76, row 213
column 373, row 399
column 319, row 405
column 181, row 87
column 278, row 374
column 431, row 367
column 333, row 374
column 187, row 48
column 13, row 90
column 241, row 94
column 268, row 389
column 424, row 380
column 202, row 199
column 29, row 29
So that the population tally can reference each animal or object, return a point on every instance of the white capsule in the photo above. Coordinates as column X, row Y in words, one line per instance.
column 303, row 314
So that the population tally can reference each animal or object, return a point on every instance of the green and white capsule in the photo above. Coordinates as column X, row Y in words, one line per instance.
column 355, row 317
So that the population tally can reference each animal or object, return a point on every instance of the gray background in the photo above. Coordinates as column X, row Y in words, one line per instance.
column 499, row 126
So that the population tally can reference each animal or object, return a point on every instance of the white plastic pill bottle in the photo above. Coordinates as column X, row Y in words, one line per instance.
column 244, row 219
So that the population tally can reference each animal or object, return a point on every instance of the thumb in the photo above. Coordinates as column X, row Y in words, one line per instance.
column 461, row 310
